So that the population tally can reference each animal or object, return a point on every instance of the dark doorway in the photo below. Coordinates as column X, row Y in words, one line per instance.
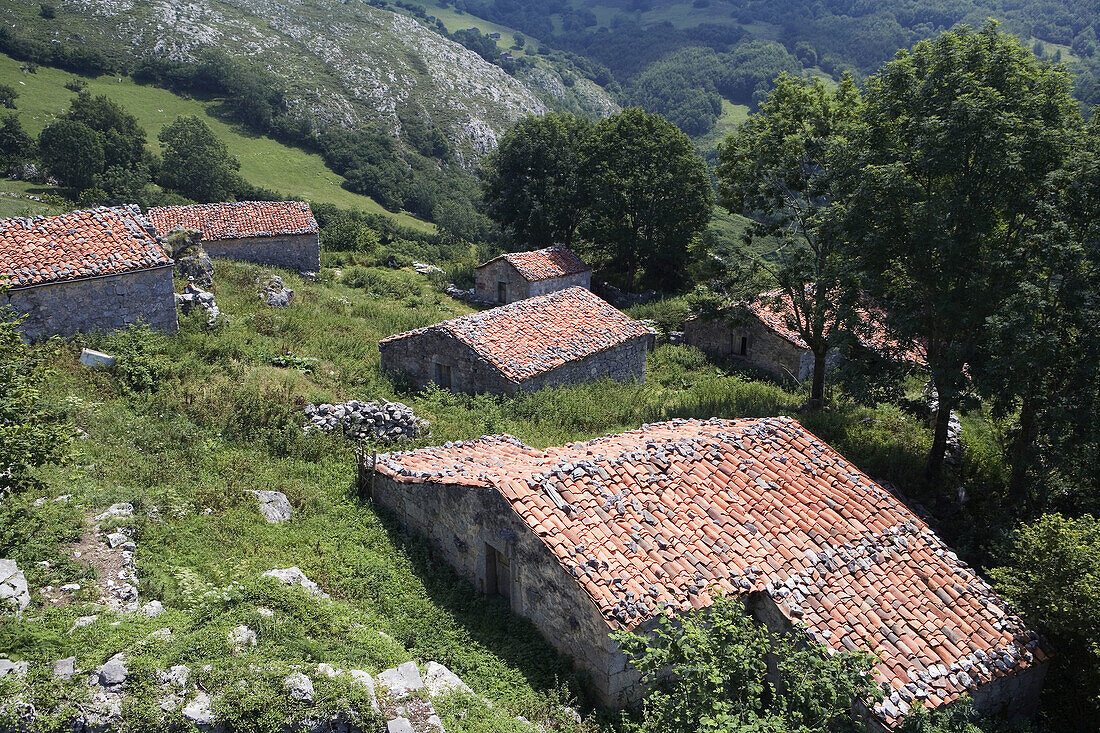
column 443, row 375
column 744, row 346
column 498, row 573
column 502, row 292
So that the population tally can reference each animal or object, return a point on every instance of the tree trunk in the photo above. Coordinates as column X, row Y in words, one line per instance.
column 817, row 387
column 1020, row 453
column 933, row 467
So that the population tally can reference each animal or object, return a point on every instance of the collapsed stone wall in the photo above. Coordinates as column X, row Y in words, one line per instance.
column 465, row 523
column 297, row 252
column 97, row 304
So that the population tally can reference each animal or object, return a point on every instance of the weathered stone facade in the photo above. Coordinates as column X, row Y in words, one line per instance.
column 481, row 537
column 436, row 357
column 499, row 277
column 749, row 340
column 297, row 252
column 97, row 303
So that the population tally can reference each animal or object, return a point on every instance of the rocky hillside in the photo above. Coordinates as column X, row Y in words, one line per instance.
column 343, row 62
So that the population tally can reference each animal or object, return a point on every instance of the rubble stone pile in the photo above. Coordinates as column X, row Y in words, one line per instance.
column 388, row 422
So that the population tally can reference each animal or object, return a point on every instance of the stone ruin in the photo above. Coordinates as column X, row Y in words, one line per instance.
column 380, row 421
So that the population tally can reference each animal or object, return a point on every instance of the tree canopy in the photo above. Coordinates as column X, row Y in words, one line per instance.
column 197, row 163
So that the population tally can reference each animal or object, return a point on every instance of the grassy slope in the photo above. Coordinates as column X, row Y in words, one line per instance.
column 264, row 162
column 23, row 206
column 733, row 115
column 224, row 421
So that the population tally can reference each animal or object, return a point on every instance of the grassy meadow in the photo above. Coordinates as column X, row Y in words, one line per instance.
column 265, row 162
column 221, row 419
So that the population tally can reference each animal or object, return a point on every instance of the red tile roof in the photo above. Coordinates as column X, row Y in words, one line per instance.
column 543, row 264
column 664, row 516
column 532, row 336
column 237, row 220
column 103, row 241
column 774, row 310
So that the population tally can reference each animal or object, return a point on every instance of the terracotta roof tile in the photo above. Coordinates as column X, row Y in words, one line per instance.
column 543, row 264
column 89, row 243
column 237, row 220
column 653, row 518
column 532, row 336
column 774, row 310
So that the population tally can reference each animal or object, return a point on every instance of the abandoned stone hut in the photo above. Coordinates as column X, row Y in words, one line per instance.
column 518, row 275
column 98, row 269
column 565, row 337
column 277, row 233
column 762, row 333
column 606, row 534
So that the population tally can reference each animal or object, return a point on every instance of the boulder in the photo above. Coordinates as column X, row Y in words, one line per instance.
column 195, row 297
column 242, row 638
column 439, row 680
column 117, row 539
column 400, row 725
column 198, row 712
column 176, row 676
column 273, row 292
column 402, row 681
column 19, row 669
column 364, row 680
column 64, row 669
column 294, row 576
column 97, row 359
column 299, row 687
column 152, row 609
column 83, row 621
column 13, row 587
column 116, row 510
column 274, row 506
column 114, row 672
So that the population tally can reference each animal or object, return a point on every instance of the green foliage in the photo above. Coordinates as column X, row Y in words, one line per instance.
column 649, row 196
column 1053, row 576
column 959, row 136
column 8, row 95
column 532, row 182
column 15, row 143
column 350, row 235
column 196, row 163
column 140, row 367
column 72, row 152
column 710, row 672
column 29, row 435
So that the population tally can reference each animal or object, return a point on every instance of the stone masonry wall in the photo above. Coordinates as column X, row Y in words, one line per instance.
column 97, row 304
column 554, row 284
column 487, row 277
column 622, row 363
column 765, row 349
column 298, row 252
column 463, row 522
column 416, row 356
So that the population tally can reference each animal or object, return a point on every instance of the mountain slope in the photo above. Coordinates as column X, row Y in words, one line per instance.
column 343, row 63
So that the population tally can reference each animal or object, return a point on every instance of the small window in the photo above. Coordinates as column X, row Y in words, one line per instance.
column 443, row 375
column 502, row 292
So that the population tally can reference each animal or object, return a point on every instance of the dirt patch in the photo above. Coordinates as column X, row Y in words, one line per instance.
column 116, row 577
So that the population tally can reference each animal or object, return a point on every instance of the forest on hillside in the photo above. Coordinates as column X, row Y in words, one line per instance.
column 681, row 58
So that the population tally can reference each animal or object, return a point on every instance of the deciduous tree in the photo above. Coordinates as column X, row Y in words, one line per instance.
column 960, row 135
column 196, row 163
column 72, row 152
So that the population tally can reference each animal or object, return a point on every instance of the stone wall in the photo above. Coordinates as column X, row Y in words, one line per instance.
column 622, row 363
column 466, row 524
column 518, row 287
column 418, row 355
column 98, row 304
column 297, row 252
column 554, row 284
column 497, row 271
column 764, row 348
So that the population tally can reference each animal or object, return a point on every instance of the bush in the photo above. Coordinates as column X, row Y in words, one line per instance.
column 141, row 365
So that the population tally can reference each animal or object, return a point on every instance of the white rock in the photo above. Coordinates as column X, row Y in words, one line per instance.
column 64, row 669
column 116, row 510
column 116, row 539
column 274, row 506
column 19, row 669
column 70, row 587
column 294, row 576
column 198, row 711
column 96, row 359
column 114, row 672
column 242, row 638
column 439, row 680
column 364, row 680
column 176, row 676
column 403, row 681
column 265, row 612
column 327, row 670
column 400, row 725
column 299, row 687
column 83, row 621
column 152, row 609
column 13, row 586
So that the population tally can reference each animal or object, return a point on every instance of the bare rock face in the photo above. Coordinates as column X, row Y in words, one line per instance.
column 299, row 687
column 403, row 681
column 274, row 506
column 439, row 680
column 13, row 587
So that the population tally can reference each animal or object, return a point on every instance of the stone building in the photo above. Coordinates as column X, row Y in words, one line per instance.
column 278, row 233
column 602, row 535
column 762, row 333
column 99, row 269
column 518, row 275
column 566, row 337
